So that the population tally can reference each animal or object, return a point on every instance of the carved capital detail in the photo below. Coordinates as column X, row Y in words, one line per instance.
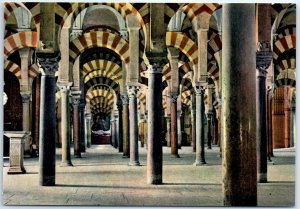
column 199, row 90
column 25, row 96
column 155, row 68
column 132, row 90
column 125, row 99
column 173, row 97
column 48, row 62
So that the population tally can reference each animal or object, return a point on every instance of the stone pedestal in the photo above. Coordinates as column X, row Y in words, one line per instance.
column 16, row 151
column 48, row 62
column 239, row 165
column 133, row 132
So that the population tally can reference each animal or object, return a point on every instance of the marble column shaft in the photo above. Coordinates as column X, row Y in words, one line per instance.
column 154, row 144
column 174, row 136
column 48, row 64
column 88, row 129
column 261, row 126
column 179, row 129
column 209, row 126
column 120, row 131
column 65, row 124
column 168, row 134
column 82, row 127
column 76, row 131
column 239, row 163
column 133, row 125
column 26, row 119
column 125, row 124
column 200, row 153
column 193, row 122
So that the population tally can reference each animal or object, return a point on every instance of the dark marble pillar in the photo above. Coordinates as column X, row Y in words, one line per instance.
column 82, row 126
column 168, row 134
column 193, row 122
column 76, row 131
column 263, row 60
column 209, row 127
column 133, row 125
column 200, row 153
column 174, row 136
column 238, row 105
column 125, row 125
column 120, row 129
column 154, row 152
column 48, row 64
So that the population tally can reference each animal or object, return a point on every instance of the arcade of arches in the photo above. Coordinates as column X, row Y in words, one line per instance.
column 154, row 75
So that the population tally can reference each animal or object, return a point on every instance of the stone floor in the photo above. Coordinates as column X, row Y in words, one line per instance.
column 102, row 177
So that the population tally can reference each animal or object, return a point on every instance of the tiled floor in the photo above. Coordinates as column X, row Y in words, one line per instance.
column 102, row 177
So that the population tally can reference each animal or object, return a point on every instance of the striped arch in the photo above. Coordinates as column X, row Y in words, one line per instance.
column 286, row 77
column 141, row 96
column 284, row 44
column 186, row 84
column 13, row 68
column 192, row 10
column 99, row 93
column 185, row 44
column 102, row 100
column 33, row 72
column 286, row 31
column 18, row 41
column 214, row 45
column 99, row 39
column 186, row 98
column 285, row 64
column 101, row 109
column 102, row 81
column 213, row 71
column 102, row 68
column 65, row 9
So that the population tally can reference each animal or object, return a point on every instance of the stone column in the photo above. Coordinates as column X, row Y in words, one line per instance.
column 120, row 125
column 26, row 121
column 179, row 130
column 215, row 121
column 133, row 132
column 88, row 129
column 125, row 125
column 174, row 136
column 193, row 122
column 117, row 137
column 262, row 64
column 154, row 143
column 238, row 105
column 209, row 136
column 48, row 64
column 65, row 123
column 168, row 134
column 269, row 125
column 82, row 126
column 293, row 126
column 200, row 155
column 76, row 131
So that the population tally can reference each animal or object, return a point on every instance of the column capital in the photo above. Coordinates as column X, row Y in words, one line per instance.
column 48, row 62
column 64, row 87
column 75, row 97
column 154, row 68
column 24, row 53
column 199, row 90
column 173, row 97
column 263, row 61
column 88, row 115
column 132, row 90
column 25, row 96
column 124, row 98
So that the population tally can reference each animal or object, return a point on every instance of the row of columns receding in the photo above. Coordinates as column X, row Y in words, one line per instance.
column 238, row 115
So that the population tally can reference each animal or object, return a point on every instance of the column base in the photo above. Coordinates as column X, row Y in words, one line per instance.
column 155, row 180
column 48, row 181
column 16, row 170
column 77, row 156
column 270, row 162
column 66, row 164
column 262, row 178
column 198, row 163
column 220, row 155
column 134, row 163
column 174, row 156
column 209, row 148
column 125, row 156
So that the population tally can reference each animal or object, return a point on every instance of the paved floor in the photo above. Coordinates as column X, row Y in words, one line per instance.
column 102, row 177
